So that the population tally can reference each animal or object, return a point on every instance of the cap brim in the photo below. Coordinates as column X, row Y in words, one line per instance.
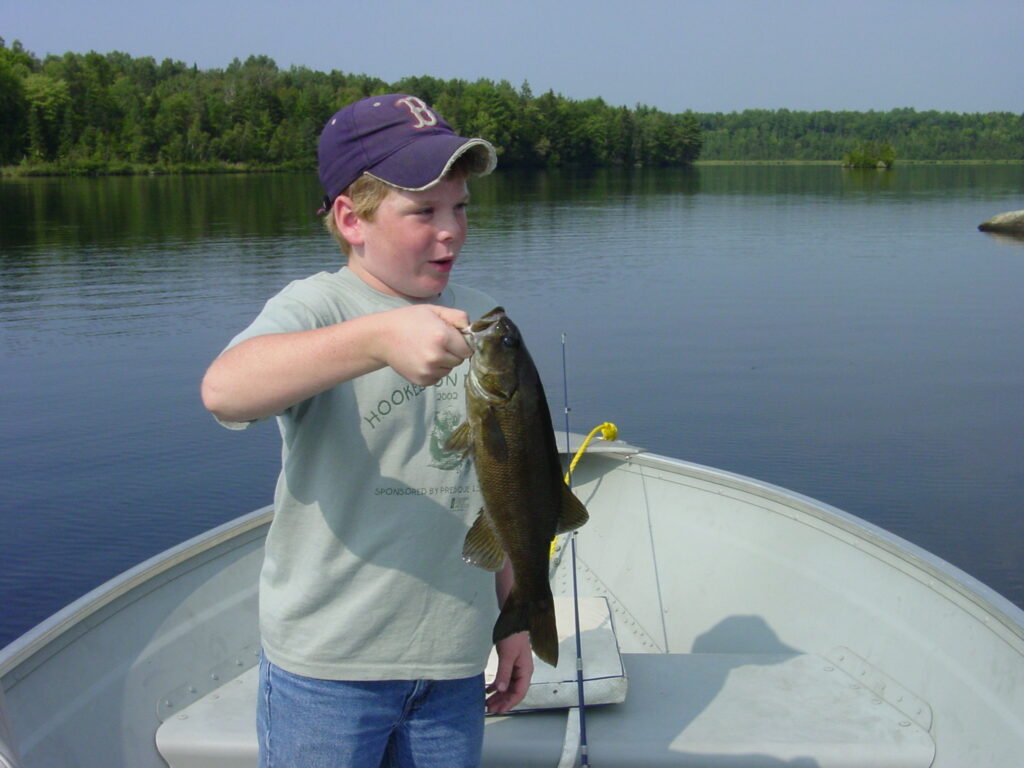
column 423, row 163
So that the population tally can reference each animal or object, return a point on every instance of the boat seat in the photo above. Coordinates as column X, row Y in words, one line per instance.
column 604, row 678
column 219, row 728
column 759, row 710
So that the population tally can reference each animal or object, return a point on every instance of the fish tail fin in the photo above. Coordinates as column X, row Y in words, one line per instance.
column 538, row 617
column 543, row 631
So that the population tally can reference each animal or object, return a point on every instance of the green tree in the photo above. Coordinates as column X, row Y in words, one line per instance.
column 47, row 99
column 15, row 64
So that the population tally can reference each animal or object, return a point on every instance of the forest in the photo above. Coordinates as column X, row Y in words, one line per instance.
column 114, row 113
column 757, row 134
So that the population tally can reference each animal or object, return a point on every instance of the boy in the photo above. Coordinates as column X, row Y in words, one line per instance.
column 374, row 631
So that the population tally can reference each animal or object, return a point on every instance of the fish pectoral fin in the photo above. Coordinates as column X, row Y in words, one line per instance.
column 573, row 515
column 460, row 440
column 481, row 547
column 493, row 437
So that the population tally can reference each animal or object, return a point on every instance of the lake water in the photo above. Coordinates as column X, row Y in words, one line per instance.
column 848, row 335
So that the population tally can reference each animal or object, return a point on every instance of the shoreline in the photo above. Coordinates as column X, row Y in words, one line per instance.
column 53, row 170
column 839, row 163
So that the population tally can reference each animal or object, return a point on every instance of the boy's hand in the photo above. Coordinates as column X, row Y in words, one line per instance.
column 424, row 343
column 515, row 668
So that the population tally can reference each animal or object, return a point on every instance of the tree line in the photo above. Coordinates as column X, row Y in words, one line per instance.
column 113, row 111
column 760, row 134
column 117, row 113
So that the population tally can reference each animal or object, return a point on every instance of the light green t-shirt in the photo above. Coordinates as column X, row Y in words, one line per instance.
column 363, row 577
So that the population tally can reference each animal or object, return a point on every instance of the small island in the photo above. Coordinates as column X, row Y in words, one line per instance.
column 869, row 154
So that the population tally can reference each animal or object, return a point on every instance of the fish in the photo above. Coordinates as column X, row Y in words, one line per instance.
column 509, row 437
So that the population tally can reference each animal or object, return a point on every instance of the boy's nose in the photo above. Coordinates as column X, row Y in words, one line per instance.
column 449, row 230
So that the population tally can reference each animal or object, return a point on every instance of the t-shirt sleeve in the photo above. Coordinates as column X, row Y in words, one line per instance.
column 293, row 309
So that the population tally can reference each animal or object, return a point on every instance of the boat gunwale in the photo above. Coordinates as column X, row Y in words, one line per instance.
column 59, row 630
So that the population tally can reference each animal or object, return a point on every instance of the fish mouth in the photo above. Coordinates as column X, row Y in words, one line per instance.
column 479, row 328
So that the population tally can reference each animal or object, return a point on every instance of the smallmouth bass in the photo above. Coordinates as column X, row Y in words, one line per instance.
column 509, row 435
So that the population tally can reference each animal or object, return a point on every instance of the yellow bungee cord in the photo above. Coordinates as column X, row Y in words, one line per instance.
column 608, row 432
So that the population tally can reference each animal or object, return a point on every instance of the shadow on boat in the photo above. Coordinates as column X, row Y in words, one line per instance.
column 686, row 688
column 741, row 635
column 677, row 711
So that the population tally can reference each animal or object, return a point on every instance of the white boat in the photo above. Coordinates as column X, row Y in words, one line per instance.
column 754, row 627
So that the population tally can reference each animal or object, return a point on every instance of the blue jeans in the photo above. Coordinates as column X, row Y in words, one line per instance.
column 303, row 722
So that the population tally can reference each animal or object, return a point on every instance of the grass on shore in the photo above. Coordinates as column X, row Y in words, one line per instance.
column 117, row 168
column 26, row 170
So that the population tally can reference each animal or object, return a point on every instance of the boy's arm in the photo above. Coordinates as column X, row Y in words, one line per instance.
column 515, row 657
column 265, row 375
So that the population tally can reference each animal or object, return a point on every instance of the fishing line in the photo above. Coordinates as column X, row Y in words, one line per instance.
column 583, row 752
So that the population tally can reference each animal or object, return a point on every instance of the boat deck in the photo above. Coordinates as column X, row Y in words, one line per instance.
column 681, row 710
column 649, row 709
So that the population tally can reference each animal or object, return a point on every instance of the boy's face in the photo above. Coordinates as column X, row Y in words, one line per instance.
column 411, row 245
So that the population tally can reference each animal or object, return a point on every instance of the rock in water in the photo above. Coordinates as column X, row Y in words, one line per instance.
column 1011, row 222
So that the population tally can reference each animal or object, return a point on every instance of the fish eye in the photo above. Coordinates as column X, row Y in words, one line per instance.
column 509, row 340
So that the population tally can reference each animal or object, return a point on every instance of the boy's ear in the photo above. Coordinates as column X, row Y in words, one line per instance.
column 346, row 220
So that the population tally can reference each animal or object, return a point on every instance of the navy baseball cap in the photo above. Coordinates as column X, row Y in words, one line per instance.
column 396, row 138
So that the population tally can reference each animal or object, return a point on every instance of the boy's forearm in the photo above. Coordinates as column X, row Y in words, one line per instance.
column 265, row 375
column 503, row 581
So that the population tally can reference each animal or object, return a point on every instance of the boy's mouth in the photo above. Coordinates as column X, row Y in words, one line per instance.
column 444, row 264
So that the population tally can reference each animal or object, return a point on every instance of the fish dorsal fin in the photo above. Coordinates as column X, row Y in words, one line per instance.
column 573, row 514
column 481, row 547
column 460, row 440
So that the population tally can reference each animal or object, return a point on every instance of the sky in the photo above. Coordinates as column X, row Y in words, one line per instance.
column 674, row 55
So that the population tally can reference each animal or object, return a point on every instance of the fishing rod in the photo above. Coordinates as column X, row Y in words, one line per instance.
column 583, row 750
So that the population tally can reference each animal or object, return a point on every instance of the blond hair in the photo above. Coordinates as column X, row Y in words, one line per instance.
column 368, row 192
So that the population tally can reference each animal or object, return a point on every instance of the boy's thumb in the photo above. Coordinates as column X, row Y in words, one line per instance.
column 454, row 317
column 502, row 675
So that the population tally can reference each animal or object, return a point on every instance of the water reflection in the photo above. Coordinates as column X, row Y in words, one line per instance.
column 153, row 211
